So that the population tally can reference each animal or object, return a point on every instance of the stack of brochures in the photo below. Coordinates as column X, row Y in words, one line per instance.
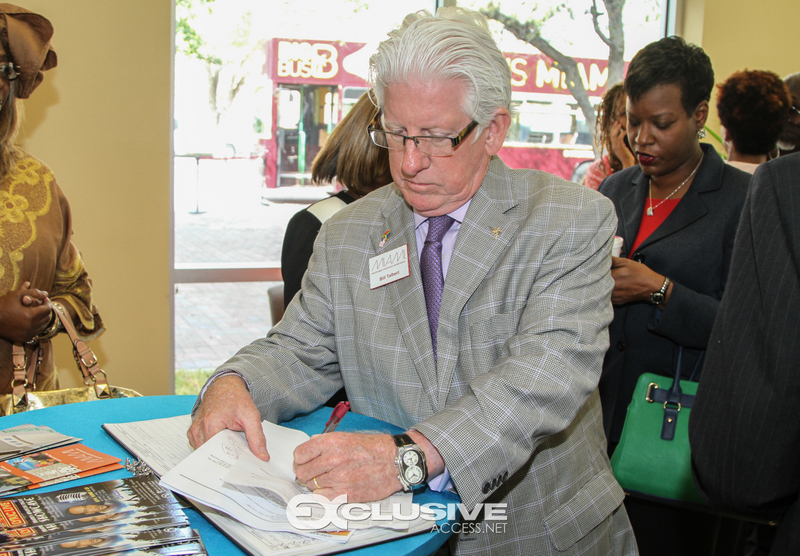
column 37, row 456
column 25, row 439
column 131, row 516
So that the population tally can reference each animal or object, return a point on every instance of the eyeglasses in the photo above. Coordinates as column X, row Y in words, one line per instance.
column 432, row 146
column 9, row 71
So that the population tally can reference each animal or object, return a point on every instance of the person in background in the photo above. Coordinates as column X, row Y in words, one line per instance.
column 678, row 210
column 349, row 157
column 611, row 137
column 38, row 262
column 744, row 428
column 752, row 106
column 484, row 341
column 789, row 141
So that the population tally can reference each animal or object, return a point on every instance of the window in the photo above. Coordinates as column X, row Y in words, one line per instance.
column 259, row 86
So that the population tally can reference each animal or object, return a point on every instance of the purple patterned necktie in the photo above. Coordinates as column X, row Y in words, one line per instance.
column 431, row 267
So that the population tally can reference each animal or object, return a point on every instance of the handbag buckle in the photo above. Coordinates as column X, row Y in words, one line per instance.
column 92, row 362
column 649, row 395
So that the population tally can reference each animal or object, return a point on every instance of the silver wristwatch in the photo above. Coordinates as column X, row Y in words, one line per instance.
column 657, row 298
column 412, row 469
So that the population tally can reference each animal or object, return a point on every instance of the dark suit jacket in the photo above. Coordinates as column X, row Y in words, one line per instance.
column 298, row 241
column 693, row 248
column 745, row 426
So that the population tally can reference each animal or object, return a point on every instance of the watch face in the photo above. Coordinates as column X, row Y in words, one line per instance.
column 410, row 458
column 413, row 475
column 657, row 298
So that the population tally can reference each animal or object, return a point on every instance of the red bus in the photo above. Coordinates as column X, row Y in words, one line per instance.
column 316, row 82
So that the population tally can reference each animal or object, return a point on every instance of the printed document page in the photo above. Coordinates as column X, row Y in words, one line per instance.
column 160, row 443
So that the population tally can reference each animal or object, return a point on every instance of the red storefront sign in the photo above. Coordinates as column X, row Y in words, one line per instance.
column 313, row 62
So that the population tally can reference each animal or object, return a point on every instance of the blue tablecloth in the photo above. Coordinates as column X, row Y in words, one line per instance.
column 84, row 420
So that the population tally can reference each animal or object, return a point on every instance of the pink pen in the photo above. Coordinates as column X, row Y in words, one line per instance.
column 338, row 413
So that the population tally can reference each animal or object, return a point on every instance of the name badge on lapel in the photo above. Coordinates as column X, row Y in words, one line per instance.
column 389, row 267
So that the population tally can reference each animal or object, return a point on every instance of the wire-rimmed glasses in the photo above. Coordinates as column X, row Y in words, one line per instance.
column 428, row 144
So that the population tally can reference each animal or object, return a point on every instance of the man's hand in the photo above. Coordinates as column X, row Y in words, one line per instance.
column 634, row 282
column 24, row 313
column 359, row 465
column 227, row 405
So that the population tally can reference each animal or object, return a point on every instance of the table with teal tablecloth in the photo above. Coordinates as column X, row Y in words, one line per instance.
column 85, row 421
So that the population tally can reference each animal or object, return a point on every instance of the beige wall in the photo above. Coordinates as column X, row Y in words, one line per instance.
column 743, row 34
column 101, row 121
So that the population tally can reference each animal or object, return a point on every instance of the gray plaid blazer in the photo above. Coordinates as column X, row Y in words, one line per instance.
column 513, row 406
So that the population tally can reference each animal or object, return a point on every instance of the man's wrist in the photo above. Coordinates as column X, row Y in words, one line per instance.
column 212, row 380
column 433, row 458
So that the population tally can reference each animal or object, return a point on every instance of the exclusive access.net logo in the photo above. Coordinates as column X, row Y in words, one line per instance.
column 314, row 512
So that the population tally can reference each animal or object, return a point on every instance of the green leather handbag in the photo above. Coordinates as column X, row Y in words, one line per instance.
column 653, row 459
column 645, row 463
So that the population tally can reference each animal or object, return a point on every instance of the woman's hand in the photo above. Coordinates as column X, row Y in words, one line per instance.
column 634, row 282
column 618, row 145
column 24, row 313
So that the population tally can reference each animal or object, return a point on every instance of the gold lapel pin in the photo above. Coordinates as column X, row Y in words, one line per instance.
column 496, row 232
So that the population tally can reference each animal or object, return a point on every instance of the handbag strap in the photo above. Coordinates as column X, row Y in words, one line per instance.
column 93, row 375
column 673, row 398
column 24, row 375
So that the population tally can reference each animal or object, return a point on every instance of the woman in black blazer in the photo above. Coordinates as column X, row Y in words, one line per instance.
column 678, row 211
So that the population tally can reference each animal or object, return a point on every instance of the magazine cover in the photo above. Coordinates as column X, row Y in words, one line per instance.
column 23, row 471
column 95, row 502
column 69, row 530
column 81, row 475
column 183, row 549
column 103, row 543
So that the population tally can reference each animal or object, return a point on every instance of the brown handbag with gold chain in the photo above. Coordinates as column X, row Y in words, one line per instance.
column 24, row 398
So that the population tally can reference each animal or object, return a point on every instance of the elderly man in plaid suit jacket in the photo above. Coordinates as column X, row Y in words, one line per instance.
column 494, row 375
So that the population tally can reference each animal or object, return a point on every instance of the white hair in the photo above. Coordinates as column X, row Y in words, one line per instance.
column 455, row 44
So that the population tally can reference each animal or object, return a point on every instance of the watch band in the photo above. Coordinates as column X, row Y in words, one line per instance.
column 401, row 440
column 412, row 469
column 657, row 298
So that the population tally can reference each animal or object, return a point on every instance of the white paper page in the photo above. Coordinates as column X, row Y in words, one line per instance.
column 250, row 471
column 160, row 443
column 199, row 477
column 258, row 542
column 288, row 544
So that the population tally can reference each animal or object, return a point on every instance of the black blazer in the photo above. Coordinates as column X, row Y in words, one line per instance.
column 693, row 248
column 298, row 244
column 745, row 425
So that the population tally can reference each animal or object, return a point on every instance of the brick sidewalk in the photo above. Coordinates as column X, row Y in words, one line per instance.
column 212, row 321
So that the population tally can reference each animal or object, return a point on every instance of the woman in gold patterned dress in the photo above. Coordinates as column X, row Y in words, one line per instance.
column 39, row 265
